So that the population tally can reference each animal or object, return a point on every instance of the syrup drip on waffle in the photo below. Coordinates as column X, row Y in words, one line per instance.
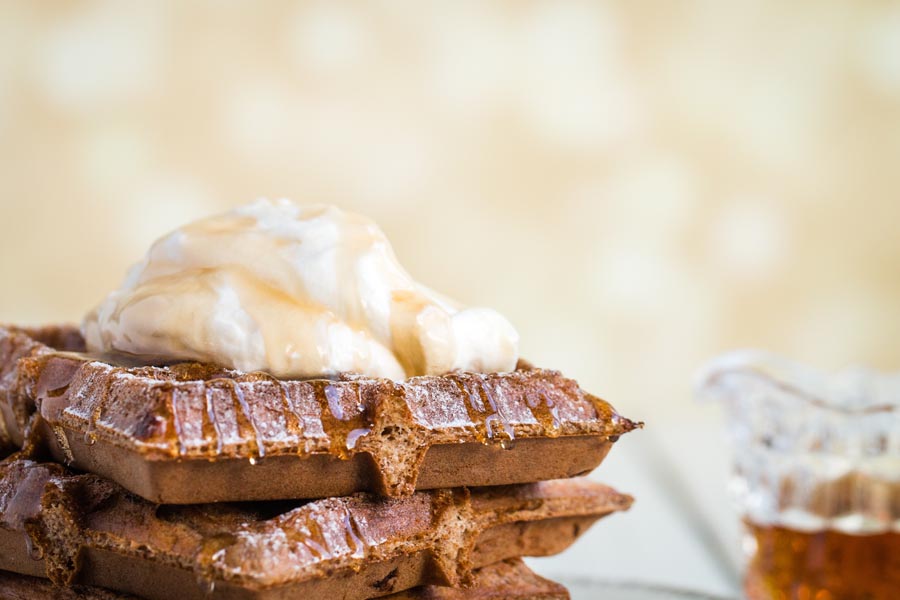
column 481, row 406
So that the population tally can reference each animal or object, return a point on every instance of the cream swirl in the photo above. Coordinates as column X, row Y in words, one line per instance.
column 297, row 291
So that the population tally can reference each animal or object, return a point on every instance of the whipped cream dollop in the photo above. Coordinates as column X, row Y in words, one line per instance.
column 296, row 291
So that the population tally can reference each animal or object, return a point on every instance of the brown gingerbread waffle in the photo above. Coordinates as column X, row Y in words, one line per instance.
column 506, row 580
column 194, row 433
column 84, row 530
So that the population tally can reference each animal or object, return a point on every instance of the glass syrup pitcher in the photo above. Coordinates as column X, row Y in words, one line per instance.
column 816, row 476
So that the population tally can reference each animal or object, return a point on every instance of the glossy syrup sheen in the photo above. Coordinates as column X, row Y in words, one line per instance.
column 342, row 424
column 490, row 424
column 90, row 433
column 314, row 534
column 196, row 398
column 481, row 407
column 822, row 565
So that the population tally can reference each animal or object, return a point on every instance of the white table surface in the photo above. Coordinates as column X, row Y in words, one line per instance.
column 682, row 531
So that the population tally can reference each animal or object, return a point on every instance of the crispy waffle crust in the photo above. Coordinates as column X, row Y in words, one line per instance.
column 23, row 342
column 84, row 530
column 506, row 580
column 185, row 433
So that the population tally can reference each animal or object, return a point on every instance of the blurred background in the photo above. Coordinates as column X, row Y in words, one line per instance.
column 637, row 185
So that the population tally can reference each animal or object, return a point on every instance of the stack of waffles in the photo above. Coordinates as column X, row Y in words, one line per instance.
column 193, row 481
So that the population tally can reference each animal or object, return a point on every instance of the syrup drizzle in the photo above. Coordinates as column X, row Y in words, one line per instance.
column 306, row 530
column 211, row 550
column 90, row 434
column 292, row 421
column 545, row 412
column 343, row 431
column 352, row 536
column 209, row 425
column 490, row 426
column 246, row 427
column 354, row 435
column 174, row 427
column 478, row 396
column 310, row 535
column 495, row 420
column 616, row 423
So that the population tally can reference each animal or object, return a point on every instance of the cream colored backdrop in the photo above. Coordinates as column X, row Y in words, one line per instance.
column 637, row 185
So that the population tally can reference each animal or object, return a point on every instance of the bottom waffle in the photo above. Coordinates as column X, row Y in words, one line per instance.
column 506, row 580
column 84, row 530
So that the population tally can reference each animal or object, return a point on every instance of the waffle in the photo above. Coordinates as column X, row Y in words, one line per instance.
column 506, row 580
column 185, row 433
column 85, row 530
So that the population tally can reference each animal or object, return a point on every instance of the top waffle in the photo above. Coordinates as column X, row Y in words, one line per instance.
column 190, row 432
